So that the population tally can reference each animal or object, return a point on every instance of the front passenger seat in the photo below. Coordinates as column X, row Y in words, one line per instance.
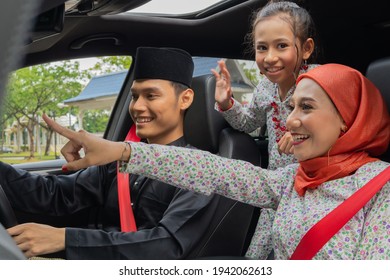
column 232, row 226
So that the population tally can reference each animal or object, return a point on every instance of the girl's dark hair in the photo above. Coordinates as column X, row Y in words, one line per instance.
column 301, row 22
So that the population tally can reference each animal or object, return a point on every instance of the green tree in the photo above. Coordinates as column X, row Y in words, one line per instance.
column 111, row 64
column 251, row 73
column 37, row 89
column 4, row 121
column 95, row 121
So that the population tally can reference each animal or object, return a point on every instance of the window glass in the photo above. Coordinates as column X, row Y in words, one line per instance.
column 244, row 77
column 79, row 94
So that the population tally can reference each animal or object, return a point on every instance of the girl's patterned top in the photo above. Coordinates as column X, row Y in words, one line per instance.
column 265, row 108
column 365, row 236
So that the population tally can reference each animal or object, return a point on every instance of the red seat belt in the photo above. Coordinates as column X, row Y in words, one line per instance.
column 127, row 219
column 321, row 232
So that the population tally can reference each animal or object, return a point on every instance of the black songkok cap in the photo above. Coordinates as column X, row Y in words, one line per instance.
column 170, row 64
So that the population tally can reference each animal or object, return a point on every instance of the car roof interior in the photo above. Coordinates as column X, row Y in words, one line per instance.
column 349, row 32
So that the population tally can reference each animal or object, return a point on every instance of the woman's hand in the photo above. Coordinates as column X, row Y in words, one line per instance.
column 98, row 151
column 223, row 91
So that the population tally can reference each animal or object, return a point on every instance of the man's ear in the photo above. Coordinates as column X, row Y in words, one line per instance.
column 186, row 98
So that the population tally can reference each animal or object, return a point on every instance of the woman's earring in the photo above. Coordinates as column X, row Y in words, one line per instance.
column 343, row 130
column 304, row 66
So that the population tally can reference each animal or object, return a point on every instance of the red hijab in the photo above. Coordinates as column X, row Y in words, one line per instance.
column 363, row 110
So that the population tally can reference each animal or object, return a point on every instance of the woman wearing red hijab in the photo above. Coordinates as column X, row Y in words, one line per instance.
column 339, row 123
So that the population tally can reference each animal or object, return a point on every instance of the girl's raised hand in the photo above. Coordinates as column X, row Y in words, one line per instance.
column 285, row 144
column 98, row 151
column 223, row 91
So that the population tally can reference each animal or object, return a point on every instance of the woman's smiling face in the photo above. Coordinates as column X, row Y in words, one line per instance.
column 314, row 122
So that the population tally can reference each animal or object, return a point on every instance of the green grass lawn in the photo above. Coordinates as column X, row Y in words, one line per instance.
column 23, row 157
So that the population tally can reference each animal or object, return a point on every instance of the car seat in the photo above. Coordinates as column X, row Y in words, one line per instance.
column 378, row 72
column 233, row 224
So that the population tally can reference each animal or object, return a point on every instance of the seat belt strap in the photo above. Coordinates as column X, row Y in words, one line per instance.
column 127, row 219
column 328, row 226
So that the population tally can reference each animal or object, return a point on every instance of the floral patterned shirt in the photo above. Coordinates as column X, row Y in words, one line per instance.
column 365, row 236
column 265, row 108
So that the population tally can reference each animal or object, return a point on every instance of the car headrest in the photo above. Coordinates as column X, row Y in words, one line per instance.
column 202, row 123
column 378, row 73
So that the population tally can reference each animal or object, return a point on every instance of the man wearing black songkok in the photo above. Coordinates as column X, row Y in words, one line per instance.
column 170, row 221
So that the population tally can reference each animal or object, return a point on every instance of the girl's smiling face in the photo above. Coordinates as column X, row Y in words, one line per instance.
column 314, row 122
column 276, row 54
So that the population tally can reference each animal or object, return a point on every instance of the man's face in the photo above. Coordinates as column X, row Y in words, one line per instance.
column 157, row 111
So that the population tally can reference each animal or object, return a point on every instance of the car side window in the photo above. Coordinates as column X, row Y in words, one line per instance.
column 253, row 74
column 79, row 94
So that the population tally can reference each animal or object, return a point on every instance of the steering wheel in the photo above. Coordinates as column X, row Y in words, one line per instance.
column 7, row 214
